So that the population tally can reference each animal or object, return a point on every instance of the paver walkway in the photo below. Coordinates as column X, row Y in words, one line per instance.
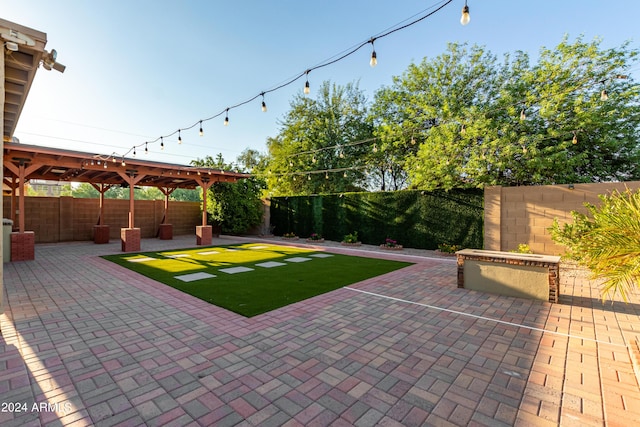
column 90, row 343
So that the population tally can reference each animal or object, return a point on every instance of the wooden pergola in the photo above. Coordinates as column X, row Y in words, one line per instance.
column 25, row 162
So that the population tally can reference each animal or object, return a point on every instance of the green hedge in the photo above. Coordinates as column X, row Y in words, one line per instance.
column 414, row 218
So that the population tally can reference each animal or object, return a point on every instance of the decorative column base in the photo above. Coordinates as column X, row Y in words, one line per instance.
column 100, row 234
column 23, row 246
column 204, row 235
column 130, row 238
column 165, row 232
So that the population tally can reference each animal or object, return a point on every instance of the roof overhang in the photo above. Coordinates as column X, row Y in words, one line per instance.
column 23, row 50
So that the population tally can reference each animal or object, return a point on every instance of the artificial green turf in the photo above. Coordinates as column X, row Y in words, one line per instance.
column 263, row 289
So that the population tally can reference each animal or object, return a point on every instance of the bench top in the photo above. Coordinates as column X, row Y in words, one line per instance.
column 509, row 255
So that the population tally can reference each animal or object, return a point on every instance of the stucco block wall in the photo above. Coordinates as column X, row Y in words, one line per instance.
column 515, row 215
column 54, row 219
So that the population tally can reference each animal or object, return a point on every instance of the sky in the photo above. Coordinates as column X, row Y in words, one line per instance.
column 141, row 69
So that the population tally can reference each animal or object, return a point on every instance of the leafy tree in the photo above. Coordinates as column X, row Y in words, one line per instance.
column 476, row 121
column 607, row 241
column 317, row 136
column 186, row 195
column 236, row 206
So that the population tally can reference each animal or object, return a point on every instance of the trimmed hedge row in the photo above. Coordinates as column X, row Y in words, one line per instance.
column 414, row 218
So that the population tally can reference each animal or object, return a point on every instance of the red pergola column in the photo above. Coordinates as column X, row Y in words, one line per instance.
column 22, row 242
column 204, row 232
column 100, row 230
column 166, row 230
column 130, row 237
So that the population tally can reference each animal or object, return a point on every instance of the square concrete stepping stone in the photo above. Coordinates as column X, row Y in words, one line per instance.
column 145, row 259
column 208, row 253
column 194, row 276
column 297, row 259
column 321, row 255
column 271, row 264
column 234, row 270
column 178, row 256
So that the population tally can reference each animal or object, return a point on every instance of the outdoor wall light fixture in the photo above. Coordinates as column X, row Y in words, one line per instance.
column 465, row 18
column 49, row 61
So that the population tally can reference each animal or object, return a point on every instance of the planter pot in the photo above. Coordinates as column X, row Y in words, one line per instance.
column 315, row 240
column 351, row 244
column 391, row 248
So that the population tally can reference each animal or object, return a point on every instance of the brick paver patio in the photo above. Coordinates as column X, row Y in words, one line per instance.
column 90, row 343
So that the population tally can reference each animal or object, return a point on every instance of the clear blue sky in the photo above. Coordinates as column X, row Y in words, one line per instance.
column 138, row 69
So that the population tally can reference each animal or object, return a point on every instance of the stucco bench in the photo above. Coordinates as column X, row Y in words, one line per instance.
column 512, row 274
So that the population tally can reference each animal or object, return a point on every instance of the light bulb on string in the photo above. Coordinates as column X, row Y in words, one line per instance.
column 179, row 137
column 309, row 177
column 226, row 118
column 123, row 162
column 344, row 175
column 313, row 159
column 374, row 57
column 326, row 175
column 465, row 18
column 523, row 116
column 463, row 130
column 201, row 131
column 574, row 141
column 375, row 148
column 146, row 148
column 341, row 155
column 105, row 165
column 603, row 95
column 264, row 105
column 307, row 89
column 134, row 151
column 161, row 143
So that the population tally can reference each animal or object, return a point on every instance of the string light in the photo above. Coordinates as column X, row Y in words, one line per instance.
column 226, row 118
column 375, row 148
column 201, row 133
column 179, row 137
column 161, row 143
column 146, row 149
column 134, row 151
column 575, row 138
column 307, row 89
column 523, row 116
column 264, row 105
column 374, row 57
column 465, row 18
column 603, row 95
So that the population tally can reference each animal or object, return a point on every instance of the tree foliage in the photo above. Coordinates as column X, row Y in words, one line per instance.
column 465, row 119
column 235, row 206
column 317, row 136
column 607, row 241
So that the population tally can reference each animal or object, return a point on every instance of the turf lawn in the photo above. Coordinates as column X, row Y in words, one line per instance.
column 261, row 289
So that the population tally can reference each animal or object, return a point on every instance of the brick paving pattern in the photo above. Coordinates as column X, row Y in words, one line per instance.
column 91, row 343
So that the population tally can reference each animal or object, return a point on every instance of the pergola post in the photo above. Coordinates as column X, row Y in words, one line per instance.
column 166, row 230
column 22, row 242
column 130, row 237
column 204, row 232
column 101, row 232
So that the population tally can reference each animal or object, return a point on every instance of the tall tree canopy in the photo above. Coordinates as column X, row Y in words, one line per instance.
column 317, row 136
column 465, row 119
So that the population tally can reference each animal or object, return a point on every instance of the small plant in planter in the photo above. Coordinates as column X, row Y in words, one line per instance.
column 523, row 248
column 351, row 239
column 391, row 244
column 447, row 249
column 315, row 238
column 290, row 236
